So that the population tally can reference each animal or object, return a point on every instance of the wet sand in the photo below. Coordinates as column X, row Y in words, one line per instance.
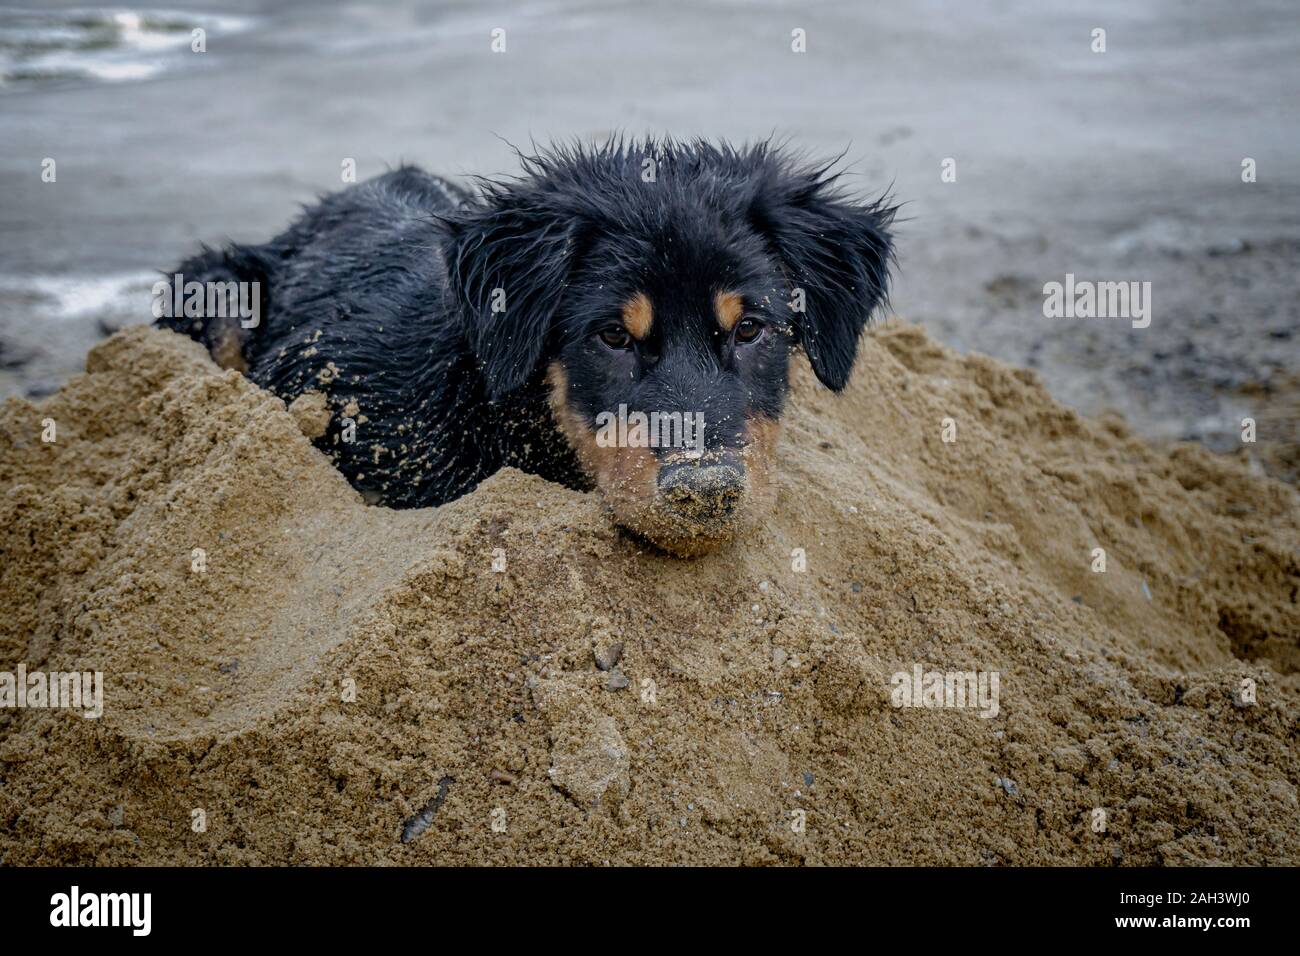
column 342, row 684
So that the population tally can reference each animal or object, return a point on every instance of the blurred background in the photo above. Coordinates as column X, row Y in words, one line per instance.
column 1114, row 166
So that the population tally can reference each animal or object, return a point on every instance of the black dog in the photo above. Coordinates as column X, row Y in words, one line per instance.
column 529, row 325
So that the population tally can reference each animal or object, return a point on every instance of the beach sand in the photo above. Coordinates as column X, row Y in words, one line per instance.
column 330, row 683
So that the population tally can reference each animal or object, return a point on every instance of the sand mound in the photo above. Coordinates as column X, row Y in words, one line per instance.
column 347, row 684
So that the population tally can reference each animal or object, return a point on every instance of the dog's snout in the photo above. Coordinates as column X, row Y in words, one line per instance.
column 702, row 491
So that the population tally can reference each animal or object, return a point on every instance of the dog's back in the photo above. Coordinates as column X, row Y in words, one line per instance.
column 360, row 253
column 352, row 305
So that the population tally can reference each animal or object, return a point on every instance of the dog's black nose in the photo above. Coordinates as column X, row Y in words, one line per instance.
column 702, row 492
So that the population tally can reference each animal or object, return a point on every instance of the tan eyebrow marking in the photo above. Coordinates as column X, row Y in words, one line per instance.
column 729, row 307
column 638, row 316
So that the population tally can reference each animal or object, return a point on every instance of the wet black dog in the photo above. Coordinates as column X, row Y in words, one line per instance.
column 575, row 322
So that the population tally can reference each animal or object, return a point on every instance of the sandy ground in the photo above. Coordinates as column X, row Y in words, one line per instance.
column 349, row 684
column 1124, row 165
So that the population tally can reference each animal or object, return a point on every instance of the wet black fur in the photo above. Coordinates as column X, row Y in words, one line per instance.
column 392, row 282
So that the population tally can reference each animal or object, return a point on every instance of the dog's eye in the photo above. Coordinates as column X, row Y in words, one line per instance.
column 748, row 330
column 616, row 338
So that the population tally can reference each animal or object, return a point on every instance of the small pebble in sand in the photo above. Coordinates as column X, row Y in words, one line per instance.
column 420, row 822
column 609, row 657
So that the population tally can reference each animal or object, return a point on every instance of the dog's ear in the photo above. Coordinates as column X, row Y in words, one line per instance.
column 836, row 254
column 508, row 260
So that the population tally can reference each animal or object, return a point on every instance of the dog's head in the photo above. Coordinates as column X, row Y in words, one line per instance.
column 660, row 288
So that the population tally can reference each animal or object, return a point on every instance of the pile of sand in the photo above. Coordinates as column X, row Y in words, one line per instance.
column 348, row 684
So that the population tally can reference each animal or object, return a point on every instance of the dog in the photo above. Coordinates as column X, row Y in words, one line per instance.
column 564, row 322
